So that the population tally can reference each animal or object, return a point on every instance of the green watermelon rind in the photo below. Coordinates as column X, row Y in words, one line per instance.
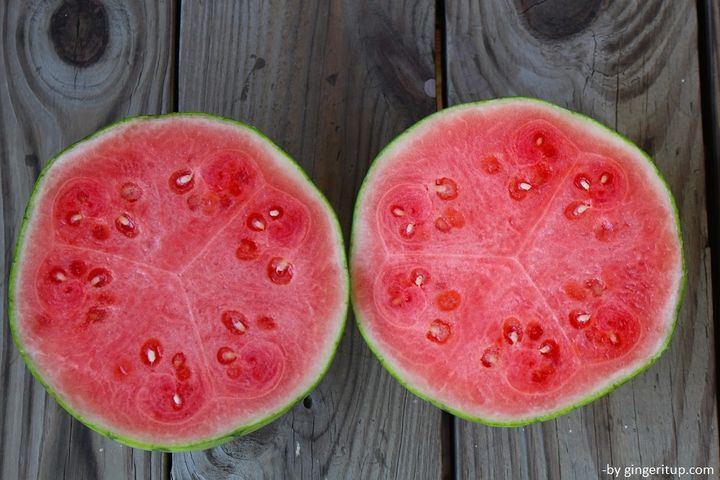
column 590, row 122
column 245, row 429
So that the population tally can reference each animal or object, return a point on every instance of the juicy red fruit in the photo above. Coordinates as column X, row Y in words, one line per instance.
column 490, row 165
column 182, row 371
column 247, row 250
column 543, row 373
column 142, row 269
column 230, row 172
column 58, row 290
column 82, row 197
column 130, row 191
column 266, row 323
column 534, row 330
column 534, row 227
column 78, row 268
column 448, row 300
column 100, row 232
column 96, row 314
column 399, row 295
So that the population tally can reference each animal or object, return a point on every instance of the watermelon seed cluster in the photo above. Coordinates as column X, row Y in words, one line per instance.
column 279, row 270
column 236, row 323
column 513, row 336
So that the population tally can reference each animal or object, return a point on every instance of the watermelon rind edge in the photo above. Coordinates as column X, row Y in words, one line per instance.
column 521, row 422
column 244, row 430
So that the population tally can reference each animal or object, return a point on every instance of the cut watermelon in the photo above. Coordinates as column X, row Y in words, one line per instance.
column 177, row 281
column 512, row 260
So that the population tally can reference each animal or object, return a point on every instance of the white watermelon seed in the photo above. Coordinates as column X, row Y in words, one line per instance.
column 582, row 208
column 419, row 280
column 258, row 224
column 99, row 277
column 513, row 337
column 75, row 219
column 398, row 212
column 274, row 213
column 281, row 265
column 525, row 186
column 613, row 338
column 151, row 352
column 410, row 228
column 280, row 271
column 60, row 276
column 489, row 358
column 604, row 178
column 583, row 317
column 177, row 399
column 123, row 220
column 585, row 184
column 545, row 349
column 184, row 180
column 228, row 355
column 238, row 325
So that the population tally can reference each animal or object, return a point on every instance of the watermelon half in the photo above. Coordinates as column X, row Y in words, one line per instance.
column 177, row 281
column 512, row 260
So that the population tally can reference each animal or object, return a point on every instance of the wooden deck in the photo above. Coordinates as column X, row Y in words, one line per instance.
column 332, row 81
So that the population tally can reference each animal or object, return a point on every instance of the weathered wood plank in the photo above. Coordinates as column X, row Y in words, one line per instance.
column 67, row 69
column 331, row 83
column 633, row 66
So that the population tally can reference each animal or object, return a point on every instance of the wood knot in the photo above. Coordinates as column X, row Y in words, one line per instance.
column 557, row 19
column 79, row 31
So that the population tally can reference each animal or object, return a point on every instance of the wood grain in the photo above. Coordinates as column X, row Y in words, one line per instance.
column 331, row 83
column 633, row 66
column 67, row 69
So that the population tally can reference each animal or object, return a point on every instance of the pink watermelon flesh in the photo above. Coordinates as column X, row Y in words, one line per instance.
column 178, row 280
column 512, row 260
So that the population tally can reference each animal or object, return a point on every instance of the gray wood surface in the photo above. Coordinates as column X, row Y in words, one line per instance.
column 331, row 83
column 62, row 76
column 633, row 66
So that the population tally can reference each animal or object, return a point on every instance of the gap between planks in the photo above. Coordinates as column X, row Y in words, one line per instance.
column 708, row 12
column 448, row 422
column 167, row 458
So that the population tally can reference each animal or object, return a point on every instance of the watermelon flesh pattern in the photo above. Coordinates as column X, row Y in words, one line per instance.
column 517, row 266
column 181, row 287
